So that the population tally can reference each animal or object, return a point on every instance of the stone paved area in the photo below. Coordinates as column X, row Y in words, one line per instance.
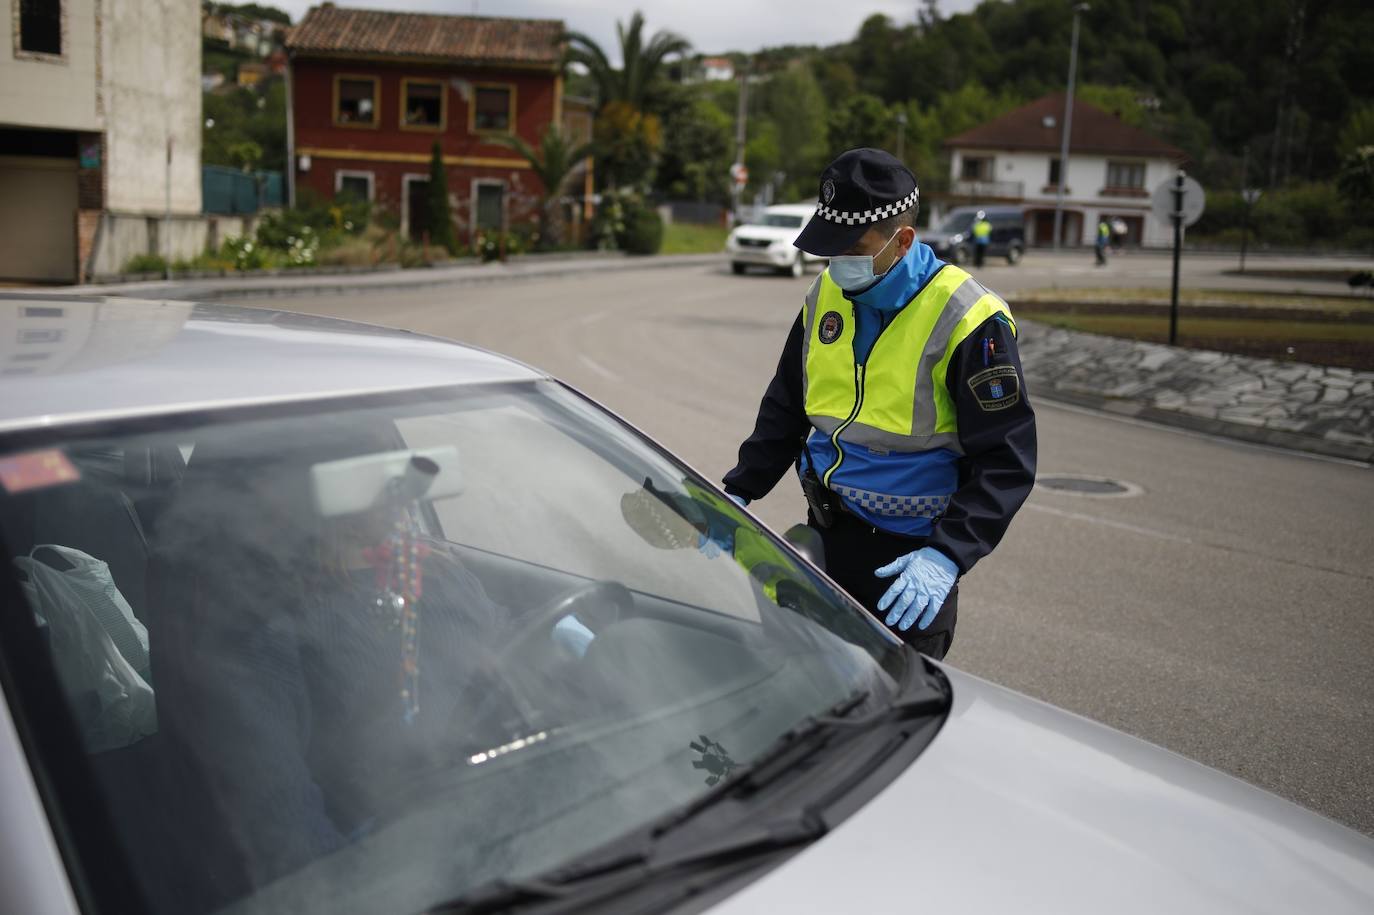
column 1310, row 407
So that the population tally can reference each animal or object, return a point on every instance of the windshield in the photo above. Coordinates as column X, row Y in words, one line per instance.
column 957, row 222
column 782, row 221
column 368, row 655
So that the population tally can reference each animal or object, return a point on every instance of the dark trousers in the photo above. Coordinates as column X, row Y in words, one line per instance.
column 1101, row 255
column 854, row 550
column 979, row 252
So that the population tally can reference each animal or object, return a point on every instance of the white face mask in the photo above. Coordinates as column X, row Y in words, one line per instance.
column 852, row 272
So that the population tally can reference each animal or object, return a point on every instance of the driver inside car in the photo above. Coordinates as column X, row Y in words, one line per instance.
column 314, row 666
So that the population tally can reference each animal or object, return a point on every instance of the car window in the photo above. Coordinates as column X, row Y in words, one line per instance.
column 783, row 220
column 957, row 222
column 366, row 655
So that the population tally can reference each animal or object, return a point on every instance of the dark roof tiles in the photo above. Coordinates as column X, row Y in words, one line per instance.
column 1094, row 131
column 329, row 29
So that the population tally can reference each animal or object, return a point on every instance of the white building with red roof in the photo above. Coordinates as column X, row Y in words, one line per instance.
column 1014, row 160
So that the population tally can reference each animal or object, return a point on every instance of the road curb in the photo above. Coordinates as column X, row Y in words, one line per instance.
column 1041, row 389
column 387, row 281
column 1195, row 389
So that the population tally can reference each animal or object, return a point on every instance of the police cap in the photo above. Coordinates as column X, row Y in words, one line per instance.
column 860, row 188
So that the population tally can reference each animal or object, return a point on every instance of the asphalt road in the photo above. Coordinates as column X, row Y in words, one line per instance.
column 1225, row 612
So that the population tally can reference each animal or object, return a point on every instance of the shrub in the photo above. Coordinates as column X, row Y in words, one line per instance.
column 643, row 231
column 145, row 263
column 244, row 253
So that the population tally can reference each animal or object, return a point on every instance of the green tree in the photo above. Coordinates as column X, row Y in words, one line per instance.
column 698, row 147
column 792, row 100
column 642, row 63
column 863, row 120
column 553, row 164
column 440, row 216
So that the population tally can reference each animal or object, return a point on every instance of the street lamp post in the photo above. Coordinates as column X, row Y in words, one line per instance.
column 1078, row 10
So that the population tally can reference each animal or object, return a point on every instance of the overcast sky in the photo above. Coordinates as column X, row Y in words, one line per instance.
column 711, row 25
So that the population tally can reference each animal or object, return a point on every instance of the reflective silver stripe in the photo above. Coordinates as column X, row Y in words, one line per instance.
column 826, row 425
column 882, row 440
column 924, row 414
column 813, row 296
column 895, row 506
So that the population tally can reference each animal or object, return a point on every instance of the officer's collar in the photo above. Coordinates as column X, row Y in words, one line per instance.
column 899, row 285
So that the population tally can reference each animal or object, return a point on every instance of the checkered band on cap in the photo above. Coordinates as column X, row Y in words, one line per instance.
column 829, row 214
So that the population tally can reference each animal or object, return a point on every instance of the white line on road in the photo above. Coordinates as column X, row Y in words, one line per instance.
column 598, row 368
column 1107, row 522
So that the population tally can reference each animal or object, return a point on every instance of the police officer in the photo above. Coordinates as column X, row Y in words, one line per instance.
column 901, row 401
column 982, row 235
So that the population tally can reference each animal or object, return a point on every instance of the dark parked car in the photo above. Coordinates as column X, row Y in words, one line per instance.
column 953, row 241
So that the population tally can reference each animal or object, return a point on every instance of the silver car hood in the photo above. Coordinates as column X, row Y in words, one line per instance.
column 1018, row 806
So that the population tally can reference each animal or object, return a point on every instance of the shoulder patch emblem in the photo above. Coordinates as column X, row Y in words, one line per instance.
column 832, row 325
column 996, row 388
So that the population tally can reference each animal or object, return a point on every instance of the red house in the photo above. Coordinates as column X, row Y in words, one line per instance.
column 370, row 91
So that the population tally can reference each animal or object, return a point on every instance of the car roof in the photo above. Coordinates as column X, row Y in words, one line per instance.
column 991, row 211
column 792, row 209
column 66, row 359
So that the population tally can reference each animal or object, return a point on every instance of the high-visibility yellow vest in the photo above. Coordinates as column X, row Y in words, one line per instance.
column 897, row 403
column 982, row 230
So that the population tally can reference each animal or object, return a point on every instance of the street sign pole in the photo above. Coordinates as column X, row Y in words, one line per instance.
column 1178, row 246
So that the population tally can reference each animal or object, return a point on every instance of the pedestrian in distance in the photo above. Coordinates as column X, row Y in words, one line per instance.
column 982, row 236
column 1119, row 231
column 900, row 400
column 1104, row 236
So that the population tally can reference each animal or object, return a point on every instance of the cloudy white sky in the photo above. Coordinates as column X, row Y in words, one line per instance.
column 711, row 25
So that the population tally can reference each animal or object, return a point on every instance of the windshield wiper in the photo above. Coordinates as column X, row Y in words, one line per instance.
column 643, row 855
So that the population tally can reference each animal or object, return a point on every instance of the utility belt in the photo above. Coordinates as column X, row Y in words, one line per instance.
column 827, row 505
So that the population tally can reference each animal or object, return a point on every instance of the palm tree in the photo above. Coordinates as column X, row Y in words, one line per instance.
column 552, row 163
column 641, row 63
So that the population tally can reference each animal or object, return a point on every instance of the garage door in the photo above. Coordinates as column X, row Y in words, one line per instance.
column 38, row 218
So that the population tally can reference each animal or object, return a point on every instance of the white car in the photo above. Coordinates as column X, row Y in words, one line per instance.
column 768, row 243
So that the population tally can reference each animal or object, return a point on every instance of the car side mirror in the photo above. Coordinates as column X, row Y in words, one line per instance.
column 807, row 541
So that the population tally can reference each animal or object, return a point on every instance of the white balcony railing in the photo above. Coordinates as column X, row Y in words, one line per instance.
column 1012, row 189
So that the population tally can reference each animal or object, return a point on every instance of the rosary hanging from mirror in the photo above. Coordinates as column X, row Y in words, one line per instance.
column 399, row 565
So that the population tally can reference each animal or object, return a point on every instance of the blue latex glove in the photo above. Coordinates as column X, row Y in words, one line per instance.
column 572, row 635
column 708, row 547
column 923, row 582
column 739, row 500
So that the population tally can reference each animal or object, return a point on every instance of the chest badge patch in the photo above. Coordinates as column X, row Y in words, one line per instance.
column 832, row 325
column 996, row 388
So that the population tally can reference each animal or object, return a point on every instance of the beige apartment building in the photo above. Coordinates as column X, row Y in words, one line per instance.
column 100, row 132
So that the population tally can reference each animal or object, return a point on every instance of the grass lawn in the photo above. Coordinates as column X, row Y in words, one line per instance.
column 684, row 238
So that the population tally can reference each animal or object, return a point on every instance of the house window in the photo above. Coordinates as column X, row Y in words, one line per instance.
column 1126, row 175
column 1054, row 173
column 976, row 168
column 40, row 27
column 493, row 109
column 353, row 184
column 355, row 101
column 422, row 104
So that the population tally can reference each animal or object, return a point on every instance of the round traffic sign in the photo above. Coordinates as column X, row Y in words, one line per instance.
column 1194, row 201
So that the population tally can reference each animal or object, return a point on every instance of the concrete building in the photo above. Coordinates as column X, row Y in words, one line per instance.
column 1014, row 159
column 100, row 132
